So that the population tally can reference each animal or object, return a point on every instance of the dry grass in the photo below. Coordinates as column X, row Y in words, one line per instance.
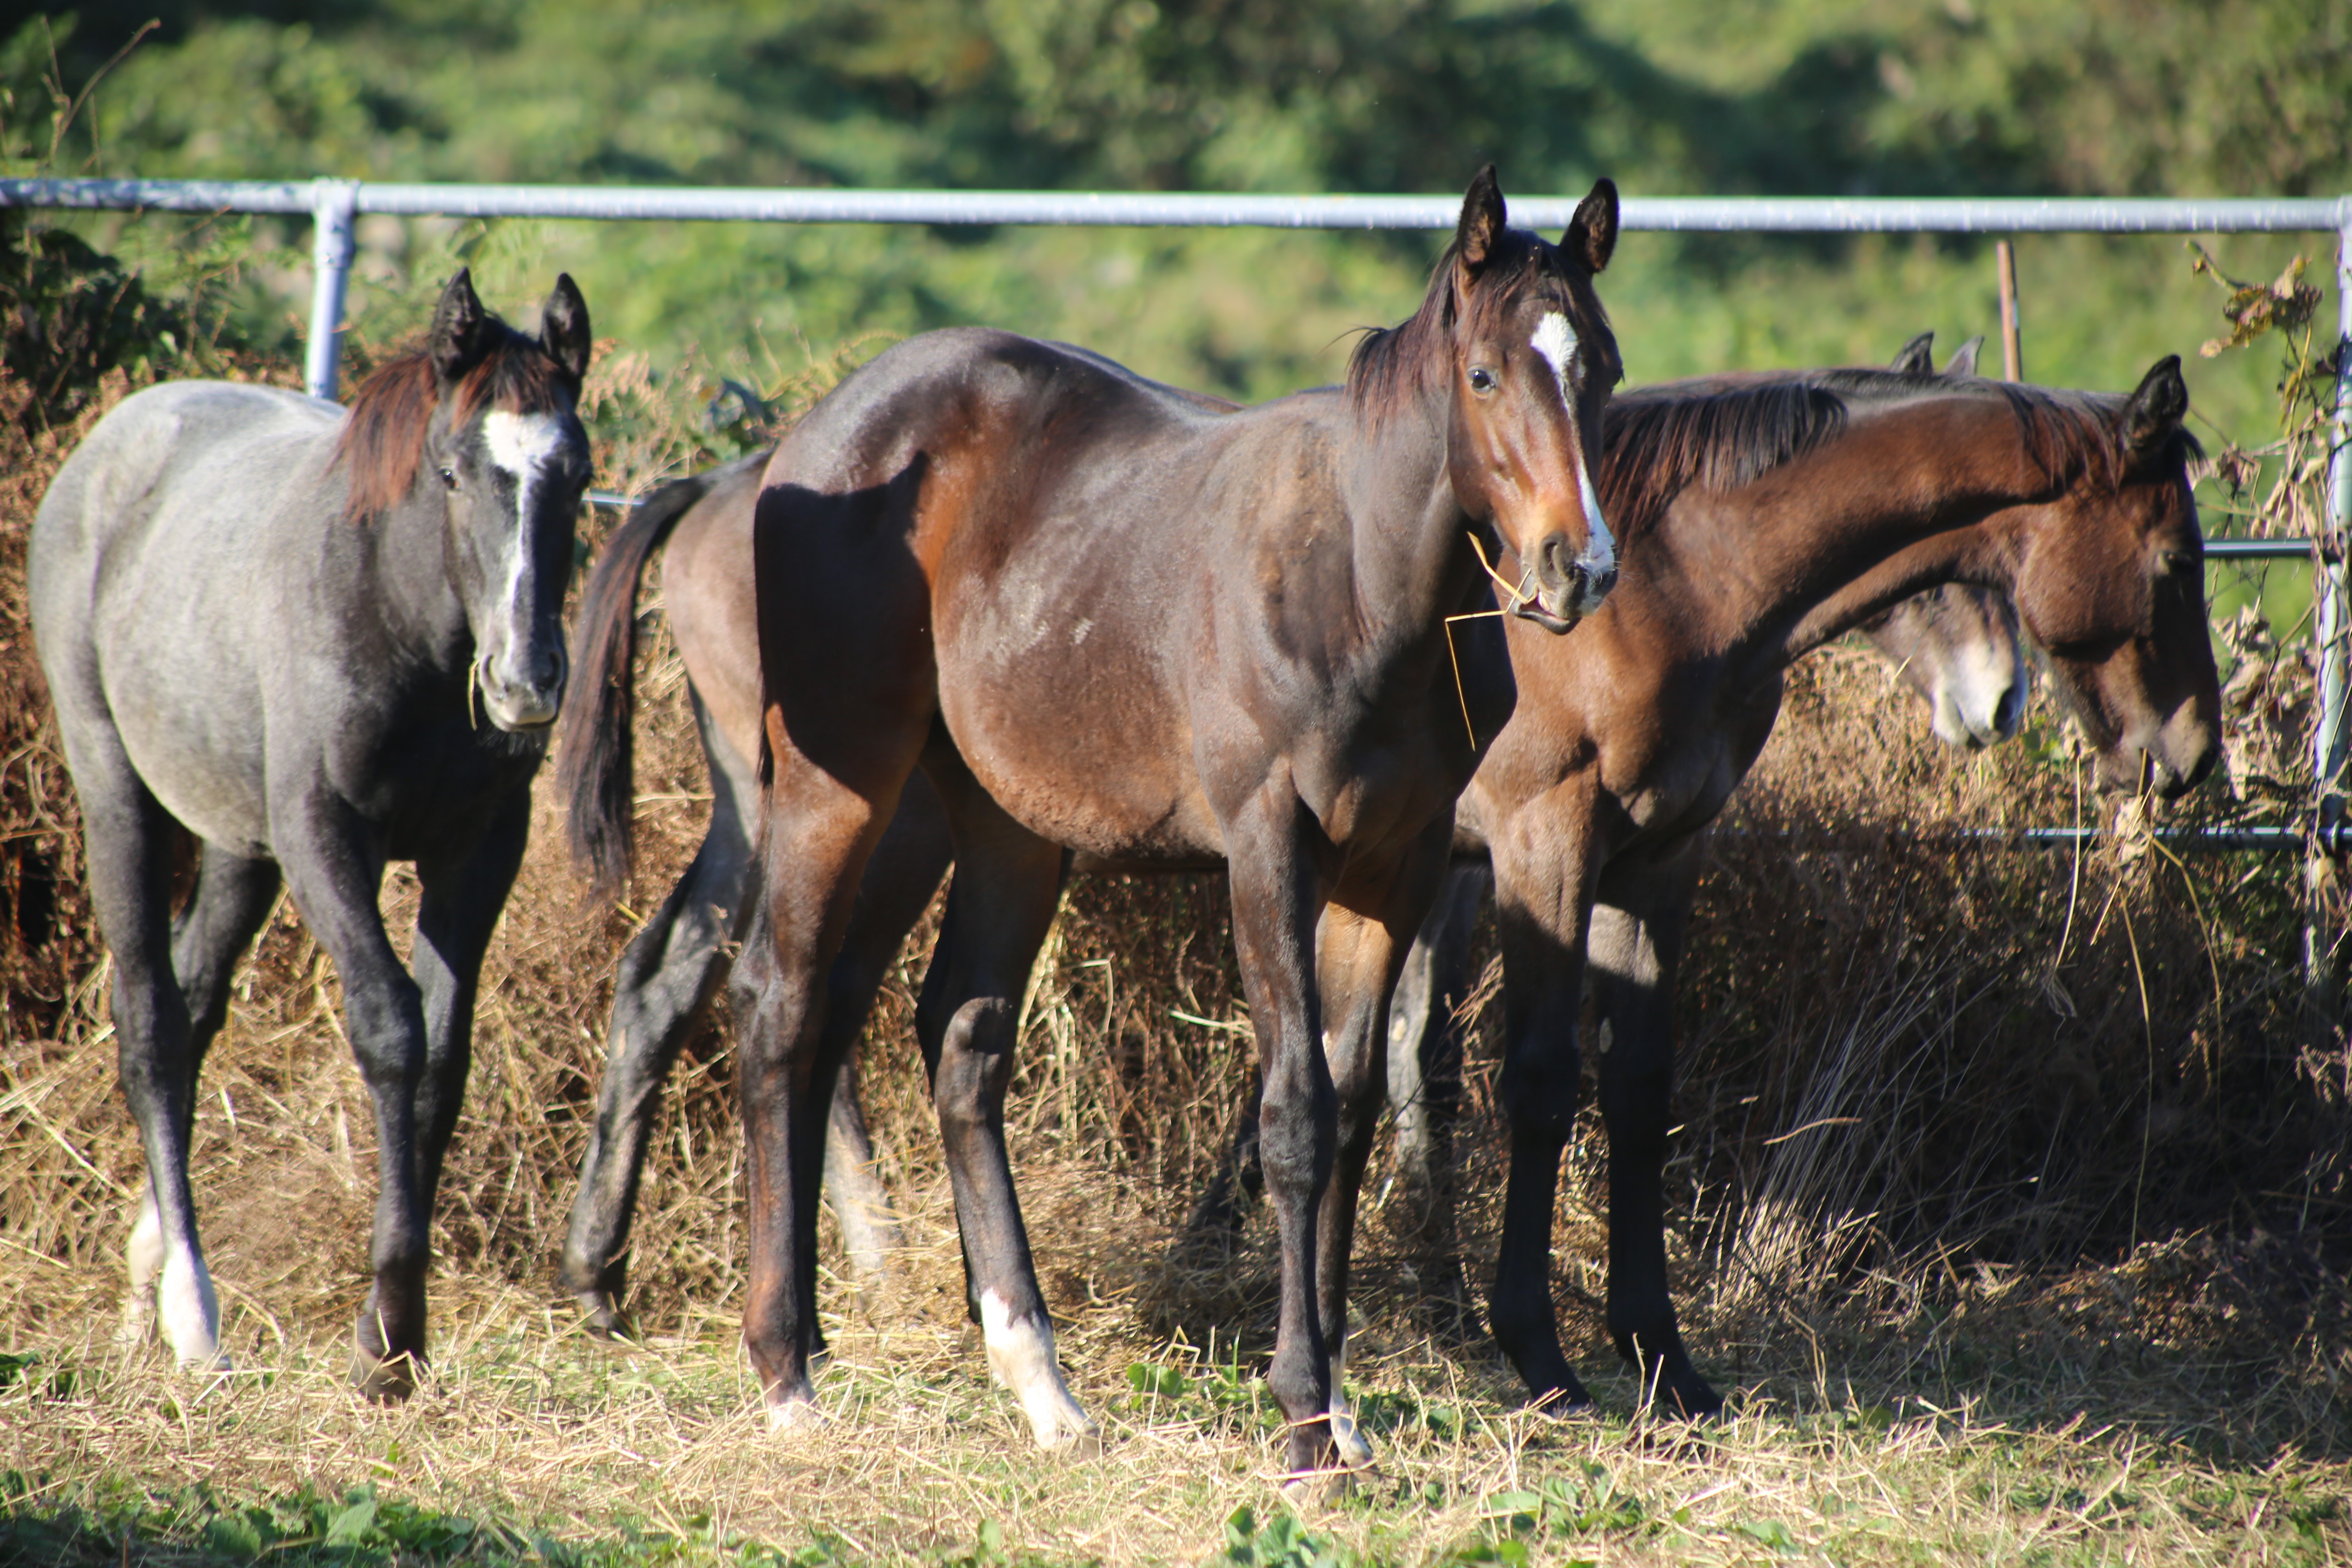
column 2011, row 1191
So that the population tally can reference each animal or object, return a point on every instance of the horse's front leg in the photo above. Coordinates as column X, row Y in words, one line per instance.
column 461, row 894
column 1636, row 946
column 1361, row 944
column 1542, row 899
column 334, row 864
column 1275, row 900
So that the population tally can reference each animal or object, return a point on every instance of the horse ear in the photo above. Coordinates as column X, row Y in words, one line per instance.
column 2153, row 415
column 1591, row 235
column 1482, row 221
column 460, row 328
column 1964, row 358
column 1917, row 357
column 563, row 328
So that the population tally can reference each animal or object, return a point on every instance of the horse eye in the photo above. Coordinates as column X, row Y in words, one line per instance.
column 449, row 477
column 1481, row 379
column 2178, row 561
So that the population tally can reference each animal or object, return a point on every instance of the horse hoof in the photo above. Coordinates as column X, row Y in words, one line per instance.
column 602, row 1316
column 1072, row 1439
column 137, row 1328
column 1563, row 1403
column 793, row 1416
column 1327, row 1489
column 386, row 1381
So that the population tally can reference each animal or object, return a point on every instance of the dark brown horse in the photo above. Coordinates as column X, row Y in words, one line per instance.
column 2079, row 498
column 1103, row 618
column 1954, row 645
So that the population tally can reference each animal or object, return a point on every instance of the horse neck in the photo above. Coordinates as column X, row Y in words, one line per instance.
column 1896, row 504
column 1413, row 565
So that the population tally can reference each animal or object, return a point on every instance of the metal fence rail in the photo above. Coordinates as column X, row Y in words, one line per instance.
column 334, row 206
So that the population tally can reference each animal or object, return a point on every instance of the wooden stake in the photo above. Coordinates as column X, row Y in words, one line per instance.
column 2013, row 361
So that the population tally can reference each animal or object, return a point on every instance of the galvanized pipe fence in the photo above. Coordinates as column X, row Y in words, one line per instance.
column 335, row 206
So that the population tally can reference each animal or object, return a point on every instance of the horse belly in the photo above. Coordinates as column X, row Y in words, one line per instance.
column 1088, row 753
column 204, row 766
column 182, row 691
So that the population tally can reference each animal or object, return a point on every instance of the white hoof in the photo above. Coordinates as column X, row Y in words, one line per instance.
column 1021, row 1355
column 795, row 1415
column 190, row 1312
column 1355, row 1449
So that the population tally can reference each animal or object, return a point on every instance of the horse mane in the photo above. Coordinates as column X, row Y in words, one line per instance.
column 382, row 443
column 1722, row 433
column 1390, row 366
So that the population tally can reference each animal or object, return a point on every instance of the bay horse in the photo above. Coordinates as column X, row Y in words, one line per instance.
column 1103, row 618
column 1758, row 517
column 268, row 623
column 1956, row 646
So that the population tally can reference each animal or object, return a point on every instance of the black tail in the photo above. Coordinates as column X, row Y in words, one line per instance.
column 597, row 770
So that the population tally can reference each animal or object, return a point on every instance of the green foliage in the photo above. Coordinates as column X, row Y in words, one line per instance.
column 1282, row 1541
column 1913, row 95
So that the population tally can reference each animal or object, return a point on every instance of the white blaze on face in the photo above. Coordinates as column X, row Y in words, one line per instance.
column 1556, row 341
column 521, row 446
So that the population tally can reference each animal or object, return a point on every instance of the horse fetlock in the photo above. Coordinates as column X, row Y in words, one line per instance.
column 1021, row 1355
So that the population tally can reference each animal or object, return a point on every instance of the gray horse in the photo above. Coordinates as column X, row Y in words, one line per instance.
column 265, row 623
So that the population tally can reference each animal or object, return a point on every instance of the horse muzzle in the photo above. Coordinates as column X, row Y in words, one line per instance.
column 521, row 706
column 1569, row 587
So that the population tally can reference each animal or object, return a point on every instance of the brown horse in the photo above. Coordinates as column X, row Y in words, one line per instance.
column 1954, row 645
column 1759, row 518
column 1103, row 618
column 1859, row 486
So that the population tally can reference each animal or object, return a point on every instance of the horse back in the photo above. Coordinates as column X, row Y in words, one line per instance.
column 997, row 528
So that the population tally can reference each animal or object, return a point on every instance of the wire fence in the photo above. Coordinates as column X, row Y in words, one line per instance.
column 335, row 206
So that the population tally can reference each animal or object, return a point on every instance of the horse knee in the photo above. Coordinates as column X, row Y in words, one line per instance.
column 1293, row 1155
column 1539, row 1093
column 975, row 1064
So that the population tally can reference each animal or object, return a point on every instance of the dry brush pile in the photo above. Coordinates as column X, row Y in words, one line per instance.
column 1924, row 1070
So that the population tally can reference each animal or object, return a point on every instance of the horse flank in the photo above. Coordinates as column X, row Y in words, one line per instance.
column 382, row 442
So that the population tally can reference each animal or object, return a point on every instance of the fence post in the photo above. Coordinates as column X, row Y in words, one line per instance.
column 2013, row 357
column 2332, row 619
column 333, row 203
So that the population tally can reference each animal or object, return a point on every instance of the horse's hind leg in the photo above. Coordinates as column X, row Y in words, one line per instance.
column 900, row 878
column 1425, row 1040
column 130, row 839
column 232, row 899
column 667, row 976
column 1007, row 882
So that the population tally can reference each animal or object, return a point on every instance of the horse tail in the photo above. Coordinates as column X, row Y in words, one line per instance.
column 597, row 773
